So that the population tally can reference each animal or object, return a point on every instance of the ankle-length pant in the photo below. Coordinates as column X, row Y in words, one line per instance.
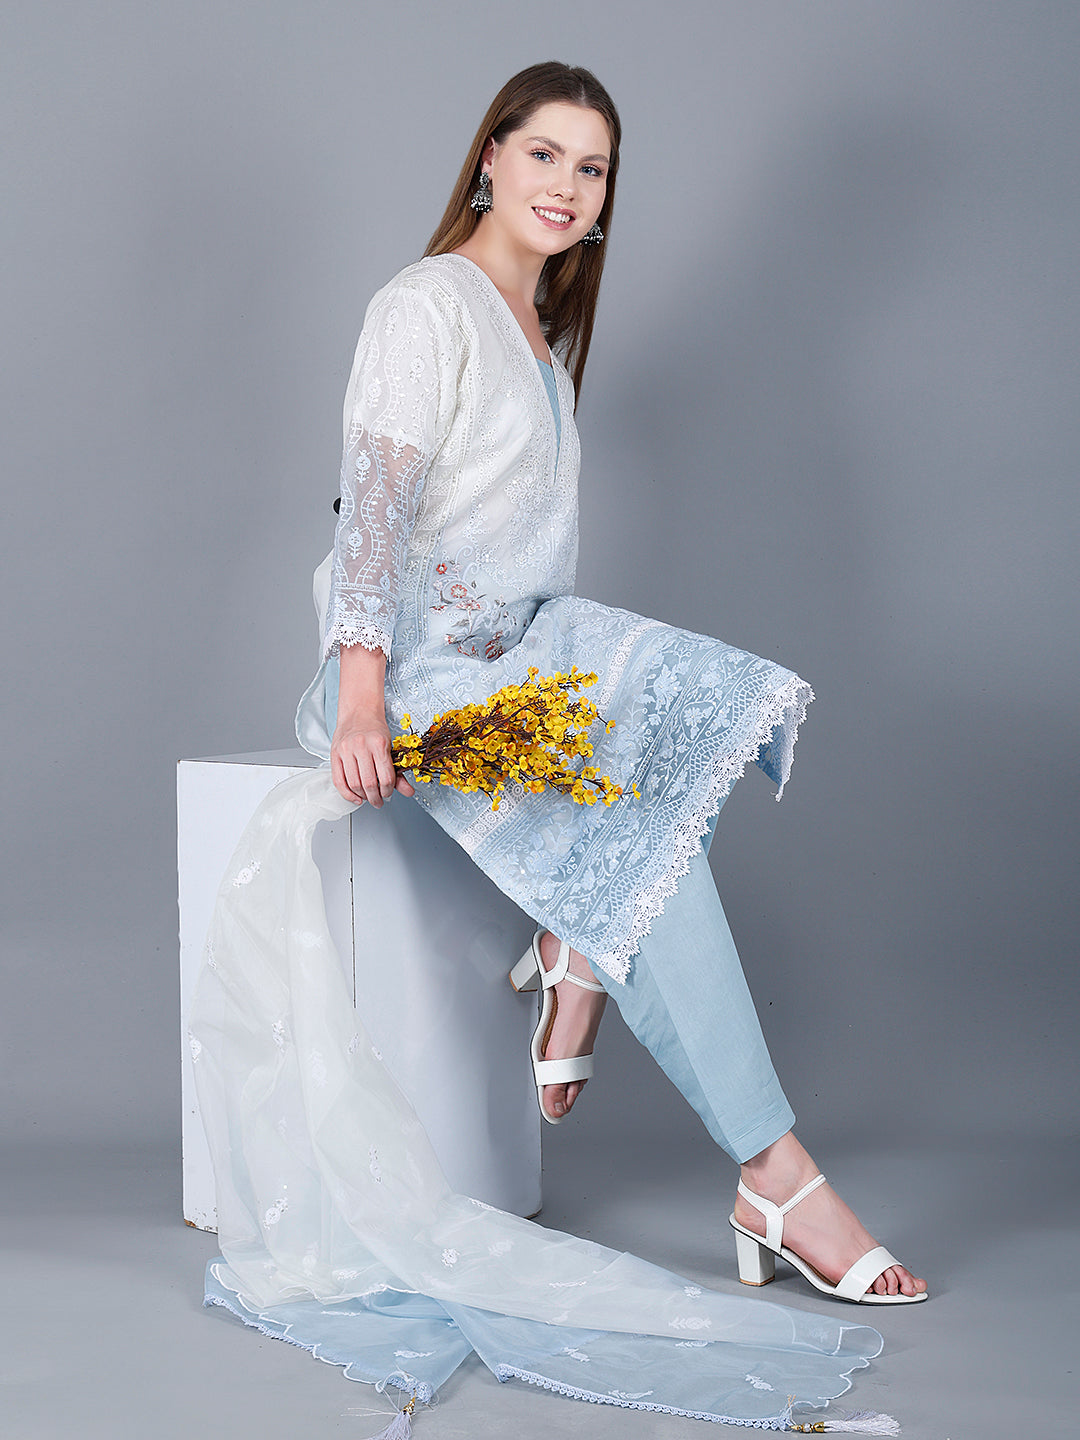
column 687, row 1001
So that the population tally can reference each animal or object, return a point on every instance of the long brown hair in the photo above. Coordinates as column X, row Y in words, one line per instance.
column 569, row 282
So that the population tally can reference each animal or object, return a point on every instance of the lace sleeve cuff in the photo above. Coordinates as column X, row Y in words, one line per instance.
column 367, row 633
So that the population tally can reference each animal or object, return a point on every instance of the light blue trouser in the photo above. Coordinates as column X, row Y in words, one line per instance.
column 687, row 1001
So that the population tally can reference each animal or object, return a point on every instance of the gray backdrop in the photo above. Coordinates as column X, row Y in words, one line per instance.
column 830, row 415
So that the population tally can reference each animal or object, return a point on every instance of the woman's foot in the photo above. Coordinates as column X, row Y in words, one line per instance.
column 574, row 1025
column 821, row 1229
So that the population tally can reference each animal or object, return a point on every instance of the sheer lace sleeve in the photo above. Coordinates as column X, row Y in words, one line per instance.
column 398, row 409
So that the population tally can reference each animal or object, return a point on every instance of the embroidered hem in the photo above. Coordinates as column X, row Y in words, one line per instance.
column 785, row 710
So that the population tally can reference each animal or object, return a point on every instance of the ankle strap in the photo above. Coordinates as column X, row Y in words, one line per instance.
column 774, row 1214
column 560, row 971
column 585, row 984
column 557, row 973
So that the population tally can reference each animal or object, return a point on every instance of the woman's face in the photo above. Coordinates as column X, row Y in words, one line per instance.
column 549, row 179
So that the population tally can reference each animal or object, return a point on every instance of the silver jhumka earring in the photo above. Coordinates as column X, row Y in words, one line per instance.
column 593, row 236
column 481, row 201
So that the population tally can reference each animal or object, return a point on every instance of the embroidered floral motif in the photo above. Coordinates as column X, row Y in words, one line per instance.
column 195, row 1046
column 691, row 1322
column 757, row 1382
column 373, row 1165
column 247, row 874
column 449, row 1257
column 478, row 624
column 275, row 1212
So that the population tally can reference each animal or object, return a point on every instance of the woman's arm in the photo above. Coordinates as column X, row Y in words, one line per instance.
column 360, row 760
column 398, row 410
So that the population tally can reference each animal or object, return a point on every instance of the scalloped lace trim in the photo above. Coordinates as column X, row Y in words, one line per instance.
column 508, row 1372
column 788, row 709
column 353, row 632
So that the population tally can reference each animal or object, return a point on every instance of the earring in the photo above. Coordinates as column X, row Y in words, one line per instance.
column 481, row 201
column 593, row 236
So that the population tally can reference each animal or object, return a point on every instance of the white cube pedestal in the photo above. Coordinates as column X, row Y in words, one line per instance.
column 426, row 939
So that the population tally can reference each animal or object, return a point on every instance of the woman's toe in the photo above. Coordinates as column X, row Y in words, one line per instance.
column 897, row 1281
column 555, row 1102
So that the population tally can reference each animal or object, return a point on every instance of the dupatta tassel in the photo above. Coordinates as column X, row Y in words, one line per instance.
column 400, row 1427
column 853, row 1422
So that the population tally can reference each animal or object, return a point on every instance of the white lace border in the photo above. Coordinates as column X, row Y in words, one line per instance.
column 786, row 708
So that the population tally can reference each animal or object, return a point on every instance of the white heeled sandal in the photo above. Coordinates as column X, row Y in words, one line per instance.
column 757, row 1255
column 529, row 974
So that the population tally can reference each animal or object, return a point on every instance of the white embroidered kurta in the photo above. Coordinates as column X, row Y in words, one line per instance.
column 455, row 553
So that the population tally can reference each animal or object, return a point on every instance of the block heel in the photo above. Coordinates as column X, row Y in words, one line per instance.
column 756, row 1264
column 526, row 973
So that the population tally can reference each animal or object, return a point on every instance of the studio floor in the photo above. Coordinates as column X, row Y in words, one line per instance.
column 106, row 1338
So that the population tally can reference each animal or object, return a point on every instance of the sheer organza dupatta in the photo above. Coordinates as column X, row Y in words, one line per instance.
column 338, row 1231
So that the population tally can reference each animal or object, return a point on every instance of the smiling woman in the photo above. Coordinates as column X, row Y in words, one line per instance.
column 452, row 576
column 549, row 142
column 545, row 194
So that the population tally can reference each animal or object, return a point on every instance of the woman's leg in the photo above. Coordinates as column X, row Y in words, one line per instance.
column 687, row 1001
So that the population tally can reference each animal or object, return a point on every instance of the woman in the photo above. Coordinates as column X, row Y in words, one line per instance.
column 452, row 574
column 546, row 167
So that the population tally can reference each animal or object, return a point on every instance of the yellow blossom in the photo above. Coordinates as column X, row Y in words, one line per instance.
column 528, row 733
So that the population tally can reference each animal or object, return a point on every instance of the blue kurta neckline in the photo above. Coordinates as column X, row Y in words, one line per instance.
column 547, row 374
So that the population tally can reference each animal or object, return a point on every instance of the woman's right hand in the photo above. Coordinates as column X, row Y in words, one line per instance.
column 360, row 760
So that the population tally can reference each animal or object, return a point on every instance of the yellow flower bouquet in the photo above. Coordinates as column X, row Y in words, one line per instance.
column 530, row 734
